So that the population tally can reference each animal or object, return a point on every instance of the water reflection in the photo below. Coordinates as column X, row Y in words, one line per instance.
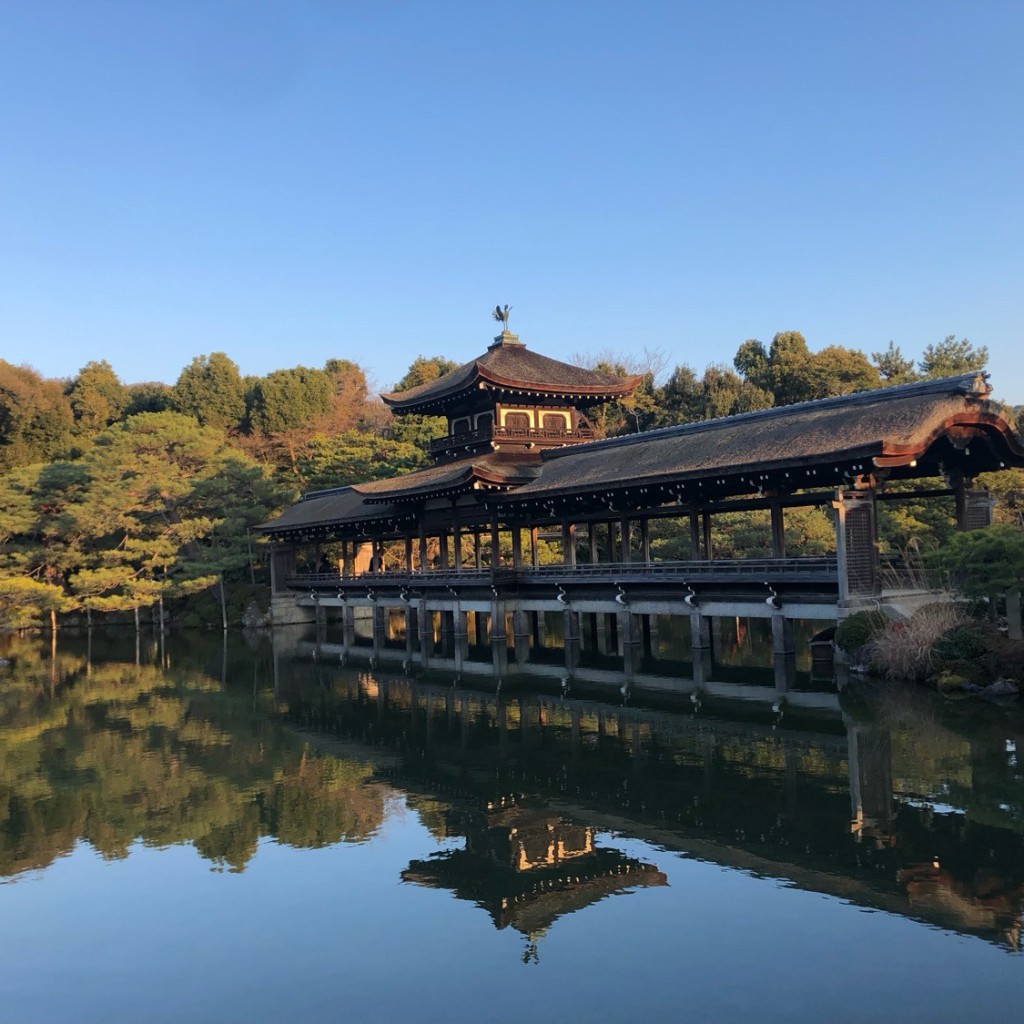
column 897, row 802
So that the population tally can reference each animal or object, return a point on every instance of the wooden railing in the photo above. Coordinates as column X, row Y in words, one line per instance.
column 736, row 570
column 472, row 437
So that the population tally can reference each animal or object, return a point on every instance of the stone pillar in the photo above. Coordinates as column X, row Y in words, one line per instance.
column 499, row 639
column 783, row 636
column 447, row 634
column 461, row 639
column 348, row 626
column 571, row 632
column 378, row 629
column 426, row 630
column 540, row 629
column 645, row 635
column 601, row 644
column 521, row 635
column 700, row 632
column 629, row 629
column 411, row 632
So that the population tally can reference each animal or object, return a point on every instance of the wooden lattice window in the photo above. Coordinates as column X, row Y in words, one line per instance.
column 554, row 421
column 517, row 421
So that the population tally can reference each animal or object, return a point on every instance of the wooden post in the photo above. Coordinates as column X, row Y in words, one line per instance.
column 708, row 549
column 778, row 529
column 495, row 543
column 645, row 540
column 627, row 547
column 695, row 546
column 568, row 544
column 517, row 547
column 592, row 541
column 423, row 549
column 534, row 550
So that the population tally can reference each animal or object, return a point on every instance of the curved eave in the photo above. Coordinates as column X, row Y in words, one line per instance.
column 484, row 378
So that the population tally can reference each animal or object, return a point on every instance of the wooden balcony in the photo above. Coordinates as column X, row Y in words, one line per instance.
column 499, row 435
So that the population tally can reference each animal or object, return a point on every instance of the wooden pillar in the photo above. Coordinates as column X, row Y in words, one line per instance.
column 645, row 540
column 346, row 557
column 457, row 546
column 627, row 547
column 778, row 529
column 443, row 544
column 376, row 559
column 423, row 549
column 408, row 553
column 517, row 547
column 495, row 544
column 592, row 541
column 568, row 543
column 478, row 556
column 708, row 549
column 611, row 540
column 534, row 550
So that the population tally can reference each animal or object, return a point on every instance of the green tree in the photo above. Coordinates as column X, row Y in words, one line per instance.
column 97, row 397
column 35, row 417
column 210, row 389
column 148, row 396
column 354, row 456
column 413, row 428
column 982, row 562
column 892, row 367
column 951, row 357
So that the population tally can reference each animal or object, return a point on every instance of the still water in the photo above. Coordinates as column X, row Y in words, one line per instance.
column 216, row 834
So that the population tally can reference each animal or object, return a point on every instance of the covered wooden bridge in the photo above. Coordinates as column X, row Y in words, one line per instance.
column 522, row 517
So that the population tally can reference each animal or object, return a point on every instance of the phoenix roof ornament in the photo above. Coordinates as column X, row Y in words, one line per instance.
column 501, row 315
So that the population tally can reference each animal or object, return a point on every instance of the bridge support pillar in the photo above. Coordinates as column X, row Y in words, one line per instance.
column 521, row 635
column 411, row 633
column 572, row 640
column 425, row 623
column 700, row 632
column 461, row 638
column 447, row 634
column 783, row 636
column 379, row 624
column 632, row 645
column 348, row 627
column 499, row 640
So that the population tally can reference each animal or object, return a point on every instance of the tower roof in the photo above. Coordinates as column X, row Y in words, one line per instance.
column 509, row 366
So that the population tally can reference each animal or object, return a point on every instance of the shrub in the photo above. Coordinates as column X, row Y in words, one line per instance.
column 903, row 650
column 857, row 629
column 962, row 647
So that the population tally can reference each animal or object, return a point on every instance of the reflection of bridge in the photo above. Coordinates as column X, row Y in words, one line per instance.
column 460, row 552
column 536, row 785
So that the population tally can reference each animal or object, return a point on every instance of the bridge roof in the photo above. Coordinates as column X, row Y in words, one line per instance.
column 508, row 365
column 338, row 507
column 860, row 433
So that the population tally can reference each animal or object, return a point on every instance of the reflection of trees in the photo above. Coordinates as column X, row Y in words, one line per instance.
column 115, row 753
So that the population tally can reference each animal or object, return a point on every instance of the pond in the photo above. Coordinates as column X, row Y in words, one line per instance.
column 206, row 832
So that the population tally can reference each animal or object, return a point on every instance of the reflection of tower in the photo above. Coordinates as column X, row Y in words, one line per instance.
column 870, row 763
column 528, row 867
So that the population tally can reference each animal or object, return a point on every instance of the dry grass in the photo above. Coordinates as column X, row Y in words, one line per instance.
column 903, row 649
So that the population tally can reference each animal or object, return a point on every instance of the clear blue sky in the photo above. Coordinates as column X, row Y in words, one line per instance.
column 291, row 181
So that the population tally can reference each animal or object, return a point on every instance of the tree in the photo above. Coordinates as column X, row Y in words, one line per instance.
column 210, row 389
column 35, row 417
column 892, row 367
column 951, row 357
column 414, row 428
column 982, row 562
column 423, row 370
column 97, row 396
column 148, row 396
column 354, row 456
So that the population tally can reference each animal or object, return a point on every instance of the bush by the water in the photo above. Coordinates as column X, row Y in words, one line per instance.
column 978, row 652
column 903, row 649
column 857, row 629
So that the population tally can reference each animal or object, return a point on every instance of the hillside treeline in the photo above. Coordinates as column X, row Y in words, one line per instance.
column 118, row 497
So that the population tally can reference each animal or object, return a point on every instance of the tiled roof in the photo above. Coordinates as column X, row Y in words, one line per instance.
column 509, row 364
column 885, row 422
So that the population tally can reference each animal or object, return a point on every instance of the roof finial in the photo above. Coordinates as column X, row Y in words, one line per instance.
column 501, row 315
